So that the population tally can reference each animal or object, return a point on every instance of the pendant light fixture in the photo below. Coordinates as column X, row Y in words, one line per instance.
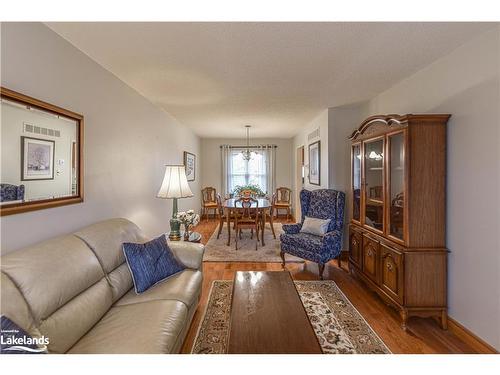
column 247, row 154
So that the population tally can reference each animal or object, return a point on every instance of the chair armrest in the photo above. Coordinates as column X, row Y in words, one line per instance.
column 333, row 240
column 292, row 228
column 188, row 253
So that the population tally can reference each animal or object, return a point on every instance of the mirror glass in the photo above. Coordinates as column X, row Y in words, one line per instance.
column 39, row 155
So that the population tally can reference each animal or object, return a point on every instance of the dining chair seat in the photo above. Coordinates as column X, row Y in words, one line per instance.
column 282, row 204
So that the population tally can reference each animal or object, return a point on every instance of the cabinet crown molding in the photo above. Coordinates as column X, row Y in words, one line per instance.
column 394, row 120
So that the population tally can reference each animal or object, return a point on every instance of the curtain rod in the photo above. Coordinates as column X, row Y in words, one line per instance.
column 230, row 146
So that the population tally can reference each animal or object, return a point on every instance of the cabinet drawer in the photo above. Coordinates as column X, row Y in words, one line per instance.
column 370, row 258
column 355, row 247
column 391, row 272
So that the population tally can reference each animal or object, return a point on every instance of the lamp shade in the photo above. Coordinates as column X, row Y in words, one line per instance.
column 175, row 184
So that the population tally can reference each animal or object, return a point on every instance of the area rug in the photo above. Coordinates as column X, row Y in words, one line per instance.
column 216, row 250
column 338, row 325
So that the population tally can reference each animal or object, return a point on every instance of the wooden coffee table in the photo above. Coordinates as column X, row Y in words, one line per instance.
column 267, row 316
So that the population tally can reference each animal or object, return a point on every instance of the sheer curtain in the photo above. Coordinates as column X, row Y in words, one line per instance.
column 226, row 169
column 270, row 168
column 259, row 170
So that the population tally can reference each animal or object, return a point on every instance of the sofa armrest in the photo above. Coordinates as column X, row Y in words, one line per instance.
column 188, row 253
column 292, row 228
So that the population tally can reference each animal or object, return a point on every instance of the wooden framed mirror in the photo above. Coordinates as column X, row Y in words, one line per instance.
column 41, row 154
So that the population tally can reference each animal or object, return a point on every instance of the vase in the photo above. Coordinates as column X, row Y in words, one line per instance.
column 186, row 232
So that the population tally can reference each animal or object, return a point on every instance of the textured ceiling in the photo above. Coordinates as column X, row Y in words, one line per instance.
column 217, row 77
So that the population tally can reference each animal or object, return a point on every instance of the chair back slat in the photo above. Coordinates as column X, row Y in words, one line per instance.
column 249, row 207
column 208, row 194
column 283, row 195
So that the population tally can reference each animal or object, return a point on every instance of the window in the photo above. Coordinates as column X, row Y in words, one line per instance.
column 243, row 172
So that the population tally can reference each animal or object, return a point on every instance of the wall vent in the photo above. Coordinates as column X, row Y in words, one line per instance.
column 314, row 134
column 29, row 128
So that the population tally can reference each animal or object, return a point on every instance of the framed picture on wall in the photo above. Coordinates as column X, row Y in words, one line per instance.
column 37, row 159
column 315, row 163
column 190, row 164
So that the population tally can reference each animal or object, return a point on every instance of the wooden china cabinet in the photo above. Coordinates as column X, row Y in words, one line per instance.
column 397, row 231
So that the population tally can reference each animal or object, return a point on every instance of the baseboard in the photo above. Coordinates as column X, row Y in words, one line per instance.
column 470, row 338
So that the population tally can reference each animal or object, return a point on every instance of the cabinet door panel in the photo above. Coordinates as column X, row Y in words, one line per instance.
column 370, row 258
column 391, row 272
column 397, row 173
column 355, row 252
column 374, row 186
column 356, row 181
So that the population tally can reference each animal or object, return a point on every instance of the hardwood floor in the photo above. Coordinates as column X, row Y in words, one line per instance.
column 422, row 335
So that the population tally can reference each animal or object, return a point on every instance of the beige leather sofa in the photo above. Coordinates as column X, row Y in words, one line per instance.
column 77, row 291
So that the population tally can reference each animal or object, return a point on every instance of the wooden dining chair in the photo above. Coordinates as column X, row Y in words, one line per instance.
column 208, row 201
column 222, row 213
column 247, row 217
column 283, row 201
column 269, row 216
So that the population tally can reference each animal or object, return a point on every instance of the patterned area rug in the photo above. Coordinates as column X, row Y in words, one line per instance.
column 338, row 325
column 216, row 250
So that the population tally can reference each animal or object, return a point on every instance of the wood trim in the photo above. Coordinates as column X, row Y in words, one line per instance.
column 353, row 145
column 14, row 208
column 319, row 163
column 25, row 99
column 406, row 184
column 394, row 120
column 470, row 338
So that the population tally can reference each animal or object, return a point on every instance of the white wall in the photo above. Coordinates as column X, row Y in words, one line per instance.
column 211, row 161
column 465, row 84
column 319, row 122
column 341, row 123
column 127, row 139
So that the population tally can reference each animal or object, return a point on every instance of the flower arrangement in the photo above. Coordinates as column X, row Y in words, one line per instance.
column 252, row 187
column 188, row 218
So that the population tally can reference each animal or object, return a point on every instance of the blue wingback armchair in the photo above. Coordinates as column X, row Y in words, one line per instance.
column 10, row 192
column 320, row 204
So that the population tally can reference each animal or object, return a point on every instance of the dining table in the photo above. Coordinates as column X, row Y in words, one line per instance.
column 262, row 205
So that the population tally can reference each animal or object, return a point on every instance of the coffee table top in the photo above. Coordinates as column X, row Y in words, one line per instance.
column 267, row 316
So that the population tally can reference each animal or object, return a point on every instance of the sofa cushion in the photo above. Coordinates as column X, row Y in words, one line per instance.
column 152, row 327
column 106, row 239
column 51, row 273
column 14, row 306
column 64, row 287
column 69, row 323
column 306, row 241
column 184, row 287
column 150, row 262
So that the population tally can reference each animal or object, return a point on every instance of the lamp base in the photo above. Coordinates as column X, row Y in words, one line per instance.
column 175, row 233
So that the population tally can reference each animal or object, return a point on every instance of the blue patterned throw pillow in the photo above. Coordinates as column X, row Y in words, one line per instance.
column 150, row 262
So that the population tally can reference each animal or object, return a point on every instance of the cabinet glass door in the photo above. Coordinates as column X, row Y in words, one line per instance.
column 356, row 182
column 396, row 190
column 374, row 184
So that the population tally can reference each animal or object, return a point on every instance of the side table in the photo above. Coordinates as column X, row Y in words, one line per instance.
column 193, row 237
